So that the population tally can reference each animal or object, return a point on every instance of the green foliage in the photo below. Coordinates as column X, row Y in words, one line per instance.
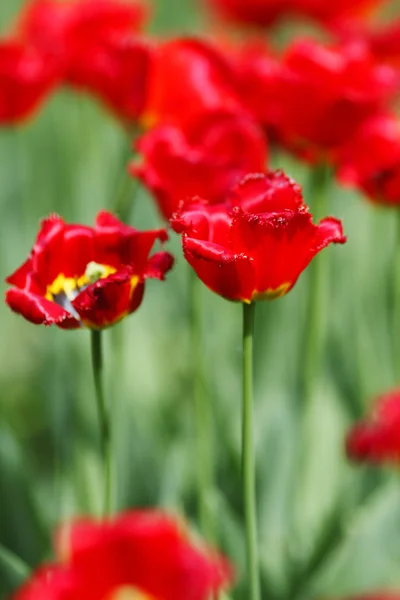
column 325, row 528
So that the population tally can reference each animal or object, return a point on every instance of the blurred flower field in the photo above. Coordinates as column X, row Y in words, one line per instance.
column 326, row 528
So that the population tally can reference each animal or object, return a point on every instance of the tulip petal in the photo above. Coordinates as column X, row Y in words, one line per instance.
column 119, row 245
column 281, row 245
column 271, row 192
column 38, row 310
column 109, row 300
column 158, row 265
column 228, row 274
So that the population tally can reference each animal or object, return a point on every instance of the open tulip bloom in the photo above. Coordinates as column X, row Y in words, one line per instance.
column 26, row 79
column 263, row 13
column 95, row 47
column 138, row 555
column 206, row 160
column 81, row 276
column 376, row 439
column 254, row 246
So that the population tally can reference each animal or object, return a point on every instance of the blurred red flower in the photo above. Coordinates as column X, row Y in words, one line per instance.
column 69, row 28
column 257, row 69
column 377, row 439
column 207, row 160
column 117, row 74
column 383, row 41
column 189, row 79
column 144, row 554
column 26, row 79
column 371, row 160
column 93, row 42
column 82, row 276
column 265, row 12
column 316, row 97
column 255, row 246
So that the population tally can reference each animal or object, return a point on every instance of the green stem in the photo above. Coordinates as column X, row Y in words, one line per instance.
column 104, row 421
column 202, row 412
column 396, row 301
column 248, row 460
column 317, row 293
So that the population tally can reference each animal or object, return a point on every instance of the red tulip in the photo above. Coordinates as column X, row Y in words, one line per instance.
column 377, row 439
column 371, row 160
column 93, row 42
column 264, row 12
column 189, row 80
column 206, row 160
column 257, row 70
column 142, row 553
column 383, row 41
column 69, row 28
column 257, row 249
column 26, row 79
column 316, row 97
column 117, row 73
column 81, row 276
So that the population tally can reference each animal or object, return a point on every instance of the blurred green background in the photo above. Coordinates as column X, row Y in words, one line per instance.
column 326, row 528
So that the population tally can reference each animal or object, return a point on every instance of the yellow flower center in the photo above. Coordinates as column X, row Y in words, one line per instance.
column 129, row 593
column 272, row 294
column 72, row 286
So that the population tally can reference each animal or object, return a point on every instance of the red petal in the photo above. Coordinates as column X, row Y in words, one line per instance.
column 47, row 252
column 273, row 192
column 119, row 245
column 26, row 78
column 108, row 300
column 50, row 582
column 205, row 161
column 77, row 250
column 20, row 277
column 189, row 79
column 148, row 551
column 228, row 274
column 204, row 221
column 281, row 245
column 38, row 310
column 159, row 264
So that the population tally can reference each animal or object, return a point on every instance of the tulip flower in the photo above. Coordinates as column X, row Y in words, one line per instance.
column 93, row 42
column 252, row 247
column 80, row 276
column 206, row 161
column 370, row 161
column 143, row 554
column 26, row 79
column 248, row 255
column 316, row 97
column 263, row 13
column 69, row 29
column 376, row 440
column 189, row 79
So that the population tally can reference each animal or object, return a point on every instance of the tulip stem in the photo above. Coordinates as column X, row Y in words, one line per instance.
column 396, row 301
column 202, row 414
column 248, row 460
column 104, row 421
column 314, row 325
